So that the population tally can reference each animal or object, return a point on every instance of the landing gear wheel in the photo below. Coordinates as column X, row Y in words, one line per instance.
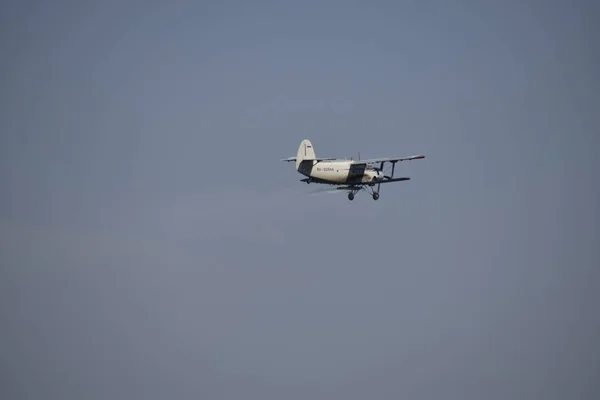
column 351, row 196
column 375, row 196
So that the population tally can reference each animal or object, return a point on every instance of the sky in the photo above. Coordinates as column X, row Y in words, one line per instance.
column 152, row 245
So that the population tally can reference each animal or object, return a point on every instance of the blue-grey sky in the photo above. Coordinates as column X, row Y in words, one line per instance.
column 153, row 246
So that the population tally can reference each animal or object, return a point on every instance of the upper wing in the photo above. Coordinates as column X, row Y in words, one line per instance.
column 309, row 159
column 389, row 159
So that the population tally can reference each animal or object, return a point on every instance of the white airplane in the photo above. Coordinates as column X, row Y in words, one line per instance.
column 351, row 175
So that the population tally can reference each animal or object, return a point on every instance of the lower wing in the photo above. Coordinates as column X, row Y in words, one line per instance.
column 373, row 183
column 389, row 180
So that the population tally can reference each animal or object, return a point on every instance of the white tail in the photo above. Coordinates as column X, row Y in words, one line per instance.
column 305, row 150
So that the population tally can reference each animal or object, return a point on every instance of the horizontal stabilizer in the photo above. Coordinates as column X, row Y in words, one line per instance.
column 308, row 159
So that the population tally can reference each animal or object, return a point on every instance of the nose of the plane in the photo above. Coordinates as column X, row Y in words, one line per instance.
column 378, row 176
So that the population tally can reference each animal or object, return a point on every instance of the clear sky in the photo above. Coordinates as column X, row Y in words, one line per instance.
column 153, row 246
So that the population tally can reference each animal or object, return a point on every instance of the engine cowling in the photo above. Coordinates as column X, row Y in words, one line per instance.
column 379, row 176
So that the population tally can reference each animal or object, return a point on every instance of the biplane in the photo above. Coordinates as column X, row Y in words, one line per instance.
column 349, row 175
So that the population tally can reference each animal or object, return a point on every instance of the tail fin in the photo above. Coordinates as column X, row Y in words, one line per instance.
column 305, row 150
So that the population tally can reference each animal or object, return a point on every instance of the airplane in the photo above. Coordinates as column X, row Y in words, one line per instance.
column 350, row 175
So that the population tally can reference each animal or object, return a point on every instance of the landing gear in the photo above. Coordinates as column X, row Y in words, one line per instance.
column 372, row 191
column 368, row 188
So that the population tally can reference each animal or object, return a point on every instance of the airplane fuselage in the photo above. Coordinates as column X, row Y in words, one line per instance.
column 339, row 172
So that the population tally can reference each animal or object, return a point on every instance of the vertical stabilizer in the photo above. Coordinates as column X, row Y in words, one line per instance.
column 305, row 150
